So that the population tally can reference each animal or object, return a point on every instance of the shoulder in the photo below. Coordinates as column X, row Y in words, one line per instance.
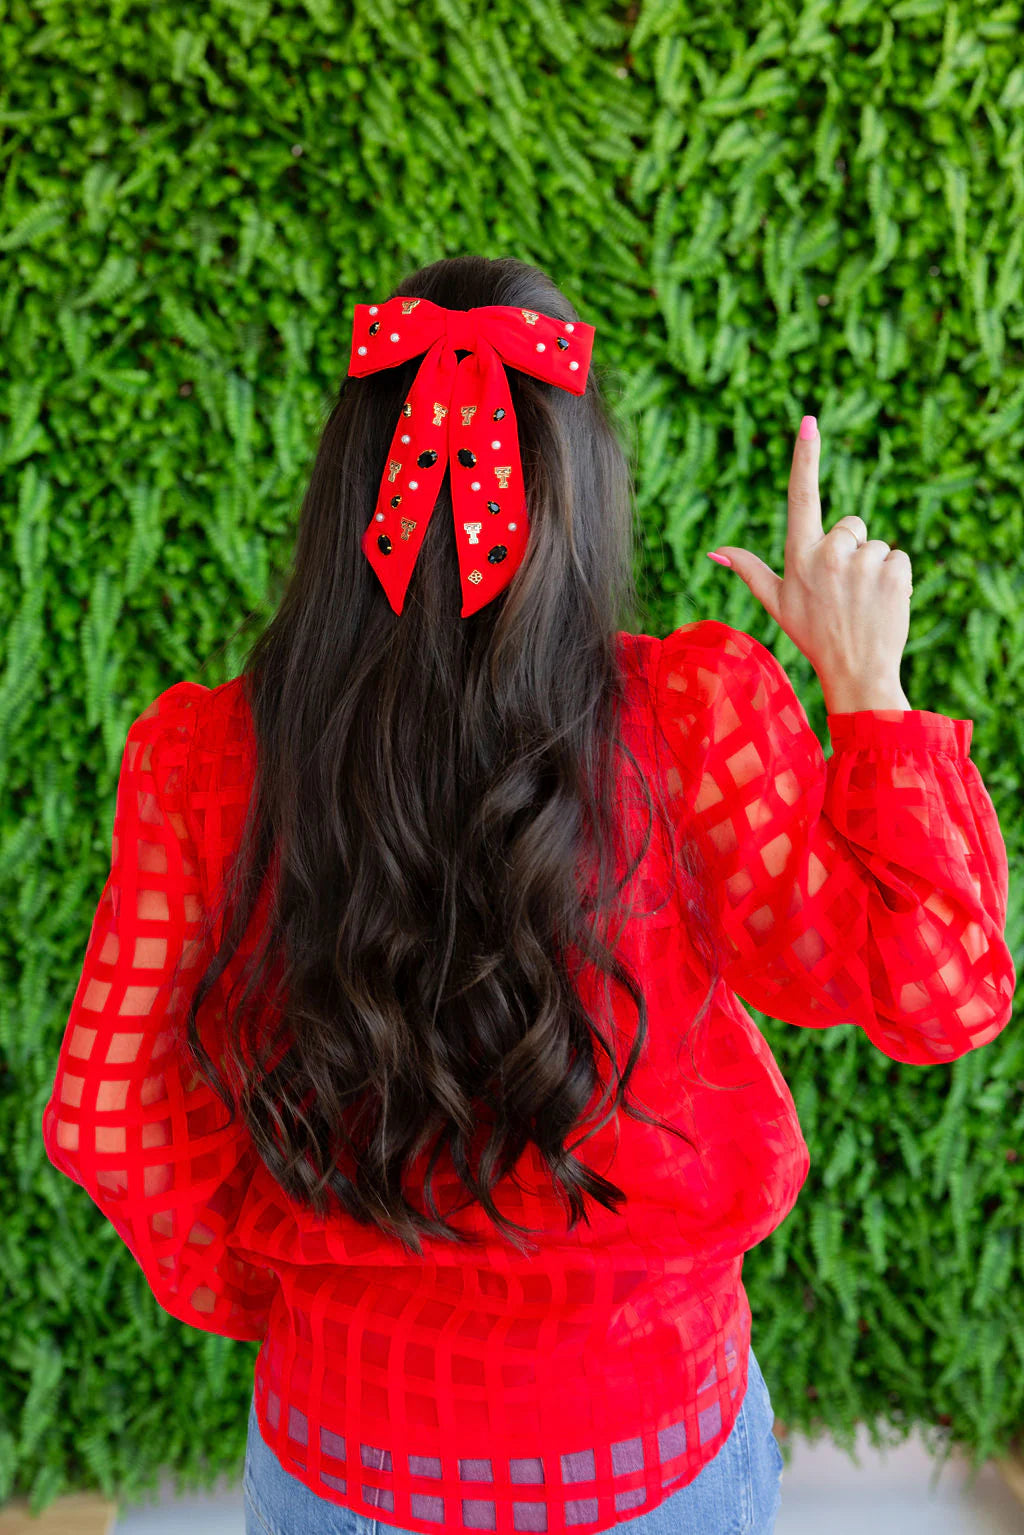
column 183, row 716
column 175, row 706
column 185, row 706
column 173, row 715
column 711, row 637
column 171, row 743
column 699, row 658
column 708, row 654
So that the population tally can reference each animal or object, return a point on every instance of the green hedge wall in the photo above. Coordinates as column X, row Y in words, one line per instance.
column 764, row 210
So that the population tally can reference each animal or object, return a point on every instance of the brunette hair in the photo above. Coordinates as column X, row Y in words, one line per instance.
column 426, row 788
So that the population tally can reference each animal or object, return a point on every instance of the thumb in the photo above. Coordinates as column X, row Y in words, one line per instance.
column 761, row 579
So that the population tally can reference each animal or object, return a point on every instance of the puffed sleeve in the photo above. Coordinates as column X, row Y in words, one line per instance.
column 870, row 888
column 127, row 1118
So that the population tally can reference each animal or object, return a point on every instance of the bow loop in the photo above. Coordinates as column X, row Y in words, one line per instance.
column 459, row 417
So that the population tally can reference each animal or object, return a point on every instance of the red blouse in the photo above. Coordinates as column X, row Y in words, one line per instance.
column 581, row 1386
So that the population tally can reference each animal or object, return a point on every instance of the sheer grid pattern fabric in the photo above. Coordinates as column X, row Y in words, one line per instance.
column 579, row 1386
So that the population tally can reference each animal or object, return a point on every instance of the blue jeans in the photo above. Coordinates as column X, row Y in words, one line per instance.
column 737, row 1493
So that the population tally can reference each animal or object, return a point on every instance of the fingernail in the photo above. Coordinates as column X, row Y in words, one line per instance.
column 808, row 428
column 721, row 558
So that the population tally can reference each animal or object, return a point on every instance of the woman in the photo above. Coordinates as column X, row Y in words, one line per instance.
column 485, row 1219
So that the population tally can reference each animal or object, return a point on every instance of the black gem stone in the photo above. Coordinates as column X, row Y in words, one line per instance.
column 406, row 409
column 493, row 507
column 466, row 458
column 384, row 544
column 375, row 327
column 499, row 415
column 497, row 554
column 427, row 458
column 396, row 500
column 561, row 343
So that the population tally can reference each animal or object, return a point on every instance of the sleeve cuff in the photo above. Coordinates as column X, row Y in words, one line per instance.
column 899, row 730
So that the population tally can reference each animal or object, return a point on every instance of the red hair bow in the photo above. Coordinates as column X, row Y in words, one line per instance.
column 459, row 413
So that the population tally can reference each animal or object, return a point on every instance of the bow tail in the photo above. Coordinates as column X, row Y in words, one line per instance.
column 411, row 479
column 491, row 525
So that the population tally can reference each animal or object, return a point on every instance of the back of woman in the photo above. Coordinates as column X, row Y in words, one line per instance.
column 433, row 925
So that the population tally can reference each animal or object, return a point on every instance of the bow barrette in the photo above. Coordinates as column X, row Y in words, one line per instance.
column 459, row 414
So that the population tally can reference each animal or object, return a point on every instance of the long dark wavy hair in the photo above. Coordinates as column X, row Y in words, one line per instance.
column 427, row 791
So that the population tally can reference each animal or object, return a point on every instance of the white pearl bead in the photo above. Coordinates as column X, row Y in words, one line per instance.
column 574, row 366
column 414, row 484
column 380, row 516
column 373, row 309
column 405, row 437
column 495, row 443
column 475, row 485
column 570, row 328
column 511, row 527
column 394, row 335
column 361, row 350
column 541, row 347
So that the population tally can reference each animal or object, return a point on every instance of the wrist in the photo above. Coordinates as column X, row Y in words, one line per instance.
column 848, row 697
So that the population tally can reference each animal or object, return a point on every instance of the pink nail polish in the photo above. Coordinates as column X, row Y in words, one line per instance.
column 808, row 428
column 721, row 558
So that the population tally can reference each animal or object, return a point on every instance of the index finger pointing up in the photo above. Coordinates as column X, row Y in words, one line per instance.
column 804, row 526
